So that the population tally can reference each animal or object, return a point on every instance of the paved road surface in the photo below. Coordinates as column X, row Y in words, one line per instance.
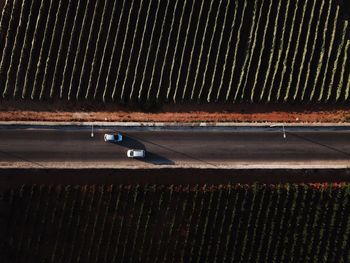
column 255, row 148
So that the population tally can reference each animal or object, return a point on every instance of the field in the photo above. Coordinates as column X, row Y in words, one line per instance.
column 225, row 223
column 175, row 51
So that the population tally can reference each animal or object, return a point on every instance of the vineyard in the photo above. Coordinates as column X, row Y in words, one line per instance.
column 153, row 51
column 226, row 223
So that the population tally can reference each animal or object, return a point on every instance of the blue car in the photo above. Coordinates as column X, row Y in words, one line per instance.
column 113, row 137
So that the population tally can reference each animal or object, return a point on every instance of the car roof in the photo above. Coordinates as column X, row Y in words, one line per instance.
column 138, row 152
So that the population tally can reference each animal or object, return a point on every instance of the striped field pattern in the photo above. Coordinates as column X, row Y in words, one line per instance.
column 226, row 223
column 157, row 51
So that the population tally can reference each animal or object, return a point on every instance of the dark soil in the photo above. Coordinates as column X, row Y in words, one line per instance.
column 14, row 177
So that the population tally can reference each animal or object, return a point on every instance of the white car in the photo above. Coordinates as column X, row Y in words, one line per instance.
column 113, row 137
column 136, row 153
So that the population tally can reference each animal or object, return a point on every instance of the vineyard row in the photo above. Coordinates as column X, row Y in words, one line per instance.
column 174, row 51
column 231, row 223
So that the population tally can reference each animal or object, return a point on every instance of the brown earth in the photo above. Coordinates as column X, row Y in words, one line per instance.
column 63, row 111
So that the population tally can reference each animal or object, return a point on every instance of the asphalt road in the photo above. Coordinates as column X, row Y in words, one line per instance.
column 254, row 148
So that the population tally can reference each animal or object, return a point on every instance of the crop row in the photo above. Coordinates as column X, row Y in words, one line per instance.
column 234, row 223
column 182, row 50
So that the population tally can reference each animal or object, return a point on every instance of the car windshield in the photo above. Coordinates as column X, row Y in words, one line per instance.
column 131, row 153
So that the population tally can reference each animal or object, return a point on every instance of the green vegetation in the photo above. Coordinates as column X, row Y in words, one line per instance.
column 154, row 51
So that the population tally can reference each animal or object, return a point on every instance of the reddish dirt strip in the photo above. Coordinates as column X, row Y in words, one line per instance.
column 62, row 111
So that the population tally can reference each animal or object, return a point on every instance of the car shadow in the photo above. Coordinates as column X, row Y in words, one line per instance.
column 156, row 159
column 131, row 143
column 153, row 158
column 172, row 150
